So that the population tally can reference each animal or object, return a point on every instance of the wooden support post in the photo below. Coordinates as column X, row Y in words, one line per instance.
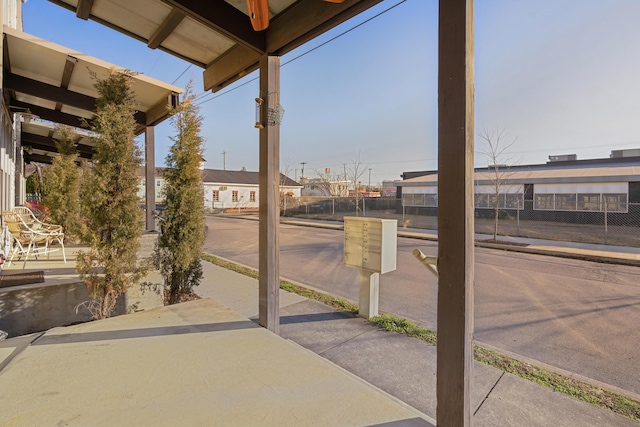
column 269, row 239
column 455, row 212
column 150, row 179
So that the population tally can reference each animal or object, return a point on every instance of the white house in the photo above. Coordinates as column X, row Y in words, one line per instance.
column 227, row 190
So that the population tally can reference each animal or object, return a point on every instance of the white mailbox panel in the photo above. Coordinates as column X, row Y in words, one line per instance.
column 370, row 243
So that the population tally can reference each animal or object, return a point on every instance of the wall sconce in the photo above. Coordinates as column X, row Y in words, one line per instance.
column 259, row 124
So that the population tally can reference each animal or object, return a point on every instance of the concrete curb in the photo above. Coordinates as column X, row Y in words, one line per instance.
column 560, row 254
column 533, row 362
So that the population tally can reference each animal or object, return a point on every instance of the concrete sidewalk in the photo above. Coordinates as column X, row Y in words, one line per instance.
column 192, row 364
column 404, row 367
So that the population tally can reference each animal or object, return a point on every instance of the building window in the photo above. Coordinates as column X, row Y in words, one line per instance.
column 252, row 196
column 544, row 202
column 216, row 196
column 589, row 202
column 615, row 202
column 234, row 196
column 565, row 202
column 500, row 201
column 515, row 201
column 158, row 182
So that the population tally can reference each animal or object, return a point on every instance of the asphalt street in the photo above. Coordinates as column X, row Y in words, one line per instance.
column 576, row 315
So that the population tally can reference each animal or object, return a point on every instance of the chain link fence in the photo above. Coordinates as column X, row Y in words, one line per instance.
column 322, row 205
column 599, row 227
column 619, row 228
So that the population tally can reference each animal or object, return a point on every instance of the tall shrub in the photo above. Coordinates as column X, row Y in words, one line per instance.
column 114, row 220
column 179, row 247
column 61, row 183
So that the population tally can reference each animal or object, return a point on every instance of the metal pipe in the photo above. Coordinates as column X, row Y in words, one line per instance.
column 430, row 262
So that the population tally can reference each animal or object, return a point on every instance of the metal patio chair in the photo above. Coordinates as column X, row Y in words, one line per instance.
column 29, row 239
column 31, row 219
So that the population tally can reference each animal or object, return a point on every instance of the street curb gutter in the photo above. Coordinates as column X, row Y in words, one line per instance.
column 561, row 254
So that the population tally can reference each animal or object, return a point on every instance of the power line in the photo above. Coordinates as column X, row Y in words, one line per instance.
column 182, row 73
column 307, row 52
column 345, row 32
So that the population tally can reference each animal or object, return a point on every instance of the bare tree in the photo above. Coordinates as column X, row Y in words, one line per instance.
column 327, row 184
column 354, row 171
column 497, row 145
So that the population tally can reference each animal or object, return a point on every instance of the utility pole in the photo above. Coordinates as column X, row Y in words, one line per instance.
column 302, row 176
column 369, row 189
column 224, row 160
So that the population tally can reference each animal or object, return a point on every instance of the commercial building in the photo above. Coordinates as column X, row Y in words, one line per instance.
column 564, row 189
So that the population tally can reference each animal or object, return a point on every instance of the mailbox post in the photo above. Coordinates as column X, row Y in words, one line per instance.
column 370, row 244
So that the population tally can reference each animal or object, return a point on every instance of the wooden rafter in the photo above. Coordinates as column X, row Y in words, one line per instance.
column 69, row 65
column 83, row 10
column 223, row 18
column 165, row 29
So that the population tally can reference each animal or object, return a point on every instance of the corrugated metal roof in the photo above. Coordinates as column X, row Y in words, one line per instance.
column 218, row 176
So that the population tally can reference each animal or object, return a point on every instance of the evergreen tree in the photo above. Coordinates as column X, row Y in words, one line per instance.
column 114, row 220
column 61, row 183
column 181, row 241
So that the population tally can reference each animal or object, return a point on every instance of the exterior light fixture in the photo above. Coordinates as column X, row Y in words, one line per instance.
column 259, row 102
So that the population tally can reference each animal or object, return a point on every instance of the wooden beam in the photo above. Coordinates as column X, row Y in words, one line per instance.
column 46, row 91
column 83, row 10
column 49, row 144
column 225, row 69
column 307, row 19
column 51, row 115
column 455, row 212
column 69, row 65
column 161, row 110
column 223, row 18
column 269, row 177
column 150, row 180
column 165, row 29
column 37, row 158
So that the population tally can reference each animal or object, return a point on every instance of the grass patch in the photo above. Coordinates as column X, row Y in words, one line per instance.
column 403, row 326
column 231, row 266
column 580, row 390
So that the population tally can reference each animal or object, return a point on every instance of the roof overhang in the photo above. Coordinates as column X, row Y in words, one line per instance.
column 57, row 84
column 38, row 140
column 217, row 35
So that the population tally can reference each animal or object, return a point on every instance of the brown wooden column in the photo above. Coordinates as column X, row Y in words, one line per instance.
column 269, row 240
column 150, row 180
column 455, row 212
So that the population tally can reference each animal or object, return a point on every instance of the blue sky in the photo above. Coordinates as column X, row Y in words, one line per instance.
column 559, row 76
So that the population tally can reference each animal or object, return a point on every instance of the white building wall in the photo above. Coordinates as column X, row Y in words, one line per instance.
column 587, row 187
column 226, row 196
column 427, row 189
